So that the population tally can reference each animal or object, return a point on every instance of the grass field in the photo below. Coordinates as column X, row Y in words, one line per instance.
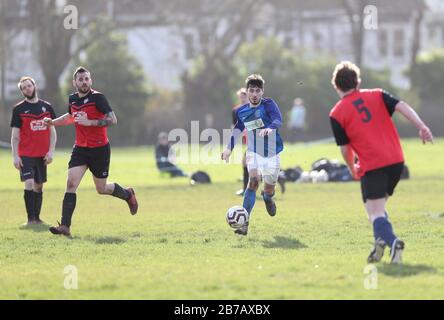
column 179, row 246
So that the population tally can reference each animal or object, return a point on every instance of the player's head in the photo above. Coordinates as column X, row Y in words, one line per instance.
column 81, row 80
column 346, row 77
column 242, row 95
column 255, row 88
column 162, row 138
column 298, row 102
column 27, row 87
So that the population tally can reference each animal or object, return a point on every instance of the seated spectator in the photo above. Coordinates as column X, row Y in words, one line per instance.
column 165, row 157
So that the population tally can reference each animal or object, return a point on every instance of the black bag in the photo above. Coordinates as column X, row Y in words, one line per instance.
column 293, row 174
column 340, row 175
column 200, row 177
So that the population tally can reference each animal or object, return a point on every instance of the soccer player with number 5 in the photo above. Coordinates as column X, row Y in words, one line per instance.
column 363, row 128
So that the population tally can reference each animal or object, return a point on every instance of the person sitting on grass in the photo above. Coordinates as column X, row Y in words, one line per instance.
column 165, row 157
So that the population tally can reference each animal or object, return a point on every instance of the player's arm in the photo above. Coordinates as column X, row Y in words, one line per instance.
column 410, row 114
column 235, row 134
column 109, row 120
column 343, row 142
column 15, row 140
column 350, row 159
column 52, row 143
column 276, row 119
column 63, row 120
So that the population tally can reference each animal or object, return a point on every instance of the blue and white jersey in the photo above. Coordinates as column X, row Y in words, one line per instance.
column 253, row 119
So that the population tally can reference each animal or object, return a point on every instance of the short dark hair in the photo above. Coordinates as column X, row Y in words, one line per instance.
column 79, row 70
column 255, row 80
column 346, row 76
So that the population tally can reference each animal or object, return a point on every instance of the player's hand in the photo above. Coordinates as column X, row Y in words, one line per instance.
column 18, row 164
column 265, row 132
column 425, row 134
column 48, row 122
column 226, row 155
column 85, row 122
column 356, row 172
column 48, row 158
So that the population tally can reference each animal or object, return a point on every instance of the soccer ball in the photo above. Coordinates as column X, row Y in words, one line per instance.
column 237, row 216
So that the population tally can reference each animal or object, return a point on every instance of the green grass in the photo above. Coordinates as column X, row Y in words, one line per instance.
column 179, row 247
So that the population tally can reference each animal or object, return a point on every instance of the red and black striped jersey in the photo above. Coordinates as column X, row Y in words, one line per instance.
column 34, row 134
column 93, row 106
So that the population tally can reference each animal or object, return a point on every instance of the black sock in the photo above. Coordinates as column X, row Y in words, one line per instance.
column 246, row 177
column 120, row 193
column 29, row 203
column 38, row 196
column 69, row 204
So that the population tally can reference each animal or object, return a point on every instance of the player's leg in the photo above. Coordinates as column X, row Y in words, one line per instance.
column 376, row 186
column 27, row 176
column 99, row 167
column 75, row 175
column 29, row 199
column 271, row 169
column 115, row 190
column 250, row 192
column 39, row 179
column 269, row 191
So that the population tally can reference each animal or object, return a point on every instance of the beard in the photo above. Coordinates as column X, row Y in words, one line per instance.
column 84, row 89
column 254, row 102
column 30, row 97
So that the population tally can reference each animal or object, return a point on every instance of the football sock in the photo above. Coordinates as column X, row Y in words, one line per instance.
column 120, row 193
column 249, row 199
column 383, row 229
column 246, row 177
column 267, row 197
column 38, row 196
column 29, row 204
column 69, row 204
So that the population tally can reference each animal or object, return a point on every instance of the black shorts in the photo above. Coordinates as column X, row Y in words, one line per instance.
column 381, row 182
column 96, row 159
column 33, row 168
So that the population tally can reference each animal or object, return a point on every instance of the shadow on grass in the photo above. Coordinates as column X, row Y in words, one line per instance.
column 106, row 240
column 283, row 242
column 36, row 227
column 404, row 270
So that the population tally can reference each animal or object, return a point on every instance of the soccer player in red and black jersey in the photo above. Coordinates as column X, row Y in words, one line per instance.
column 363, row 128
column 91, row 114
column 33, row 145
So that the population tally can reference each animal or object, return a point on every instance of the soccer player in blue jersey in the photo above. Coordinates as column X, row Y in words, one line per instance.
column 262, row 119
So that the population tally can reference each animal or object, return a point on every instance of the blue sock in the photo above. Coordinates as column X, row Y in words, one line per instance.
column 382, row 228
column 249, row 199
column 267, row 197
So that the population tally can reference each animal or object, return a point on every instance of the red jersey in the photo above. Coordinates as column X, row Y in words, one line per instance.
column 34, row 134
column 93, row 106
column 363, row 120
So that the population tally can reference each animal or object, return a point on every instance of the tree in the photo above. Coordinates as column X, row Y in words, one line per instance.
column 214, row 32
column 57, row 45
column 288, row 75
column 120, row 77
